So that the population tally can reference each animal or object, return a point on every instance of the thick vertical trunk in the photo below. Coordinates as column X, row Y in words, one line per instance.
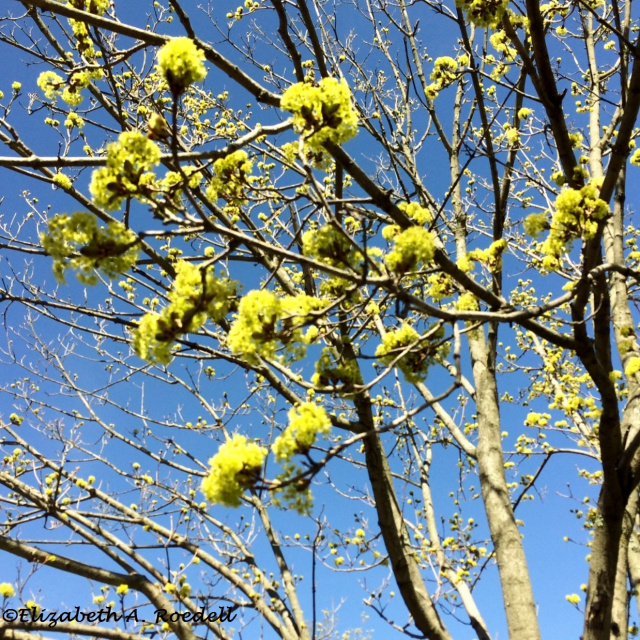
column 396, row 538
column 620, row 608
column 519, row 604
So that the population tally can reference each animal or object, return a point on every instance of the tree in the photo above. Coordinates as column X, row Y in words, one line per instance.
column 363, row 270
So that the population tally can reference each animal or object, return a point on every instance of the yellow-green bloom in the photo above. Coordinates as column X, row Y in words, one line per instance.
column 234, row 468
column 231, row 178
column 62, row 181
column 265, row 322
column 577, row 215
column 322, row 113
column 7, row 590
column 78, row 242
column 410, row 354
column 633, row 366
column 73, row 120
column 128, row 172
column 535, row 224
column 181, row 63
column 51, row 84
column 194, row 297
column 330, row 245
column 72, row 96
column 445, row 70
column 484, row 13
column 416, row 212
column 306, row 421
column 412, row 247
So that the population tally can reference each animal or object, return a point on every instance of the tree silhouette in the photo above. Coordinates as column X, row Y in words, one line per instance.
column 360, row 270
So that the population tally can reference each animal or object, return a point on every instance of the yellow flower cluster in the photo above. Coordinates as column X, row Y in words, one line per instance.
column 322, row 113
column 333, row 370
column 78, row 242
column 467, row 302
column 577, row 214
column 306, row 421
column 73, row 120
column 416, row 212
column 195, row 296
column 632, row 367
column 7, row 590
column 51, row 84
column 491, row 257
column 420, row 355
column 445, row 71
column 231, row 178
column 181, row 63
column 84, row 44
column 412, row 247
column 535, row 224
column 440, row 286
column 331, row 246
column 265, row 322
column 500, row 42
column 484, row 13
column 62, row 180
column 234, row 468
column 128, row 172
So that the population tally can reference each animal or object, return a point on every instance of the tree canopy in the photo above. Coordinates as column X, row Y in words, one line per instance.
column 312, row 310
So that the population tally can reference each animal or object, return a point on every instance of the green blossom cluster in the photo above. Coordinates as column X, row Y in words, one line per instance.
column 128, row 172
column 181, row 63
column 294, row 496
column 266, row 322
column 84, row 44
column 322, row 113
column 231, row 177
column 484, row 13
column 419, row 356
column 78, row 242
column 535, row 224
column 467, row 302
column 196, row 295
column 577, row 214
column 491, row 257
column 445, row 71
column 73, row 120
column 53, row 86
column 632, row 367
column 412, row 247
column 416, row 212
column 306, row 421
column 440, row 286
column 234, row 468
column 332, row 370
column 61, row 180
column 330, row 245
column 500, row 42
